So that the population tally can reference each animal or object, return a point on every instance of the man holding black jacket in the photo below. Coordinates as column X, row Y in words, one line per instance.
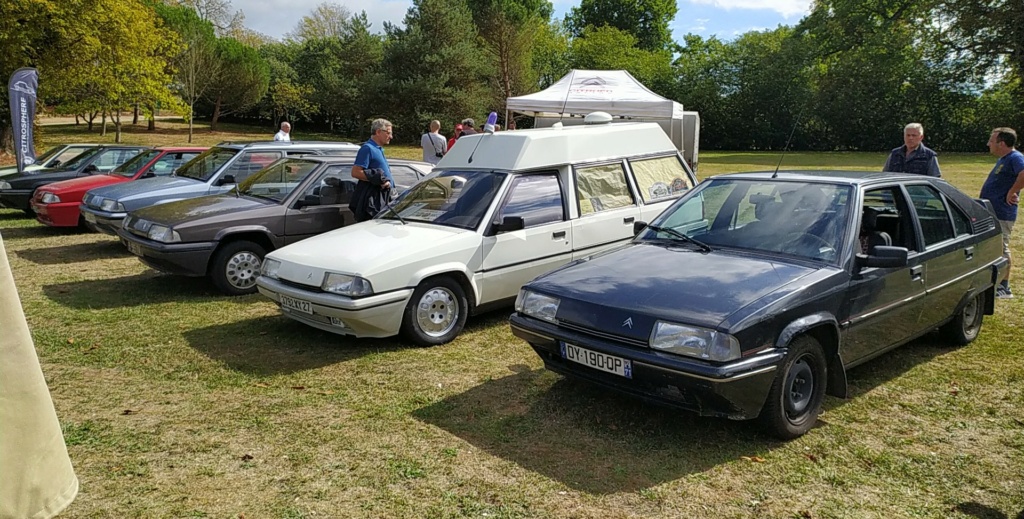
column 373, row 192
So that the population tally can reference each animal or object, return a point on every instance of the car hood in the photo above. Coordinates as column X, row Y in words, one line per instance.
column 194, row 209
column 375, row 246
column 42, row 176
column 145, row 187
column 13, row 170
column 646, row 282
column 83, row 184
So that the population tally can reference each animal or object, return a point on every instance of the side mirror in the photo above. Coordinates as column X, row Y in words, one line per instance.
column 638, row 227
column 307, row 201
column 148, row 174
column 510, row 223
column 225, row 180
column 91, row 168
column 55, row 163
column 884, row 256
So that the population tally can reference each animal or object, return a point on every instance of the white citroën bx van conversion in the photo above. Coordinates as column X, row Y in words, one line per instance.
column 499, row 210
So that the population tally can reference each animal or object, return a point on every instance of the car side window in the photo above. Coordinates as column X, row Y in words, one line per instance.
column 602, row 188
column 111, row 159
column 892, row 216
column 961, row 223
column 660, row 178
column 404, row 176
column 335, row 186
column 537, row 198
column 931, row 214
column 251, row 162
column 168, row 163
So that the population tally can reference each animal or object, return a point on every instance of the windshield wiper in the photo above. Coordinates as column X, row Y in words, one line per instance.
column 392, row 209
column 672, row 232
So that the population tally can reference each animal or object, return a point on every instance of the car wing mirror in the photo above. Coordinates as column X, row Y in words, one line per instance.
column 884, row 256
column 225, row 180
column 307, row 201
column 638, row 227
column 91, row 168
column 149, row 173
column 510, row 223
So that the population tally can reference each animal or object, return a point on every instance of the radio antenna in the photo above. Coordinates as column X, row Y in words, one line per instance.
column 567, row 92
column 789, row 140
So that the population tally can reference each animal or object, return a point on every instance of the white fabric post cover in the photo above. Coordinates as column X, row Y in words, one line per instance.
column 36, row 477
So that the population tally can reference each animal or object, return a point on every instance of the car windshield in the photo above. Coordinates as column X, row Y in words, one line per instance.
column 453, row 198
column 278, row 180
column 134, row 164
column 802, row 219
column 49, row 153
column 206, row 164
column 77, row 162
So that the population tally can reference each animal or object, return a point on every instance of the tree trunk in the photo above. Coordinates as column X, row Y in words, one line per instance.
column 117, row 127
column 77, row 122
column 103, row 124
column 191, row 113
column 135, row 117
column 216, row 114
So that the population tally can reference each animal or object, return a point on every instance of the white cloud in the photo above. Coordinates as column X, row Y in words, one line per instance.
column 699, row 25
column 787, row 8
column 276, row 17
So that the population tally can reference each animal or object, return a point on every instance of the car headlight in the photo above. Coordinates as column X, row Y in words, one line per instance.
column 112, row 206
column 49, row 198
column 164, row 234
column 346, row 285
column 270, row 267
column 537, row 306
column 5, row 185
column 694, row 341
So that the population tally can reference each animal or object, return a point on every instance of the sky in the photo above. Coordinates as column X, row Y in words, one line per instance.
column 725, row 19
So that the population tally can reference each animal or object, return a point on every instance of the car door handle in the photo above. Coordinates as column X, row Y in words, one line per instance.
column 560, row 235
column 628, row 220
column 915, row 272
column 969, row 253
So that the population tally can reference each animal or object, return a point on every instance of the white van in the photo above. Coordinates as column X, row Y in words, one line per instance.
column 499, row 210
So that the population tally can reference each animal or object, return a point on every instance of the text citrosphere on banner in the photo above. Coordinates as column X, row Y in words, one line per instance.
column 22, row 93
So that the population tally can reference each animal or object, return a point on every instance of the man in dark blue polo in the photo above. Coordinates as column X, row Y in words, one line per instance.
column 913, row 157
column 373, row 191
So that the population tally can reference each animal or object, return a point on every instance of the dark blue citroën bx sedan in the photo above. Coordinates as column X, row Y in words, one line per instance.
column 753, row 294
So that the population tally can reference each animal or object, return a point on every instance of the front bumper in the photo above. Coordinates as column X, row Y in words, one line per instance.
column 378, row 315
column 183, row 259
column 62, row 214
column 102, row 221
column 16, row 199
column 736, row 390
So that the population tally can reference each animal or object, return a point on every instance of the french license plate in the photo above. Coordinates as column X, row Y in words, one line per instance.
column 298, row 305
column 597, row 360
column 133, row 248
column 89, row 217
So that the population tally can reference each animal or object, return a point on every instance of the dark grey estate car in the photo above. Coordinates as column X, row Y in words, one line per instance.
column 226, row 236
column 754, row 293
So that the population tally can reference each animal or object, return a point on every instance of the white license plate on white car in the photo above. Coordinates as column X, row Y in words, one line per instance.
column 89, row 217
column 597, row 360
column 298, row 305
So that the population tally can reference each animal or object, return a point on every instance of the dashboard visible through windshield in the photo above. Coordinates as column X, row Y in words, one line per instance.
column 452, row 198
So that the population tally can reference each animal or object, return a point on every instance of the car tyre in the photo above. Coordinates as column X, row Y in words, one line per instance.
column 436, row 313
column 235, row 267
column 966, row 324
column 796, row 395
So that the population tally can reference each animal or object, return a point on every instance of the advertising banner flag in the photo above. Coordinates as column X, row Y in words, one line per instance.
column 22, row 93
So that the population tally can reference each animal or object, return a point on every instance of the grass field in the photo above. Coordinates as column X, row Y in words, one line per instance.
column 178, row 402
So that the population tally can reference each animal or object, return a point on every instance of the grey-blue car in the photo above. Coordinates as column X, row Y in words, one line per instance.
column 215, row 171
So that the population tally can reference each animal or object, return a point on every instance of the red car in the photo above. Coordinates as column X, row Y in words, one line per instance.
column 57, row 204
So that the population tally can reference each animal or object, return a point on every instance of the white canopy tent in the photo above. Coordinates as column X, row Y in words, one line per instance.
column 614, row 91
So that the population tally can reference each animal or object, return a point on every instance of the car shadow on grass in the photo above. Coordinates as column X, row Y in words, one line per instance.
column 892, row 364
column 276, row 345
column 143, row 289
column 586, row 437
column 35, row 231
column 97, row 250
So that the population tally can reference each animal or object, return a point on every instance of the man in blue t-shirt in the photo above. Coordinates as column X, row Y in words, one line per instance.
column 1002, row 188
column 373, row 191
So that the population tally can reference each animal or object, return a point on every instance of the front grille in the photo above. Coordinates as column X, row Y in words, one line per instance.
column 602, row 335
column 301, row 286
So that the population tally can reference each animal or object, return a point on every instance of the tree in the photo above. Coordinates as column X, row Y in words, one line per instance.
column 432, row 69
column 328, row 20
column 988, row 31
column 197, row 64
column 242, row 80
column 218, row 12
column 610, row 48
column 647, row 20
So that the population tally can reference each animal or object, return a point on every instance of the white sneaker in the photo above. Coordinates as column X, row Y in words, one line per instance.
column 1003, row 292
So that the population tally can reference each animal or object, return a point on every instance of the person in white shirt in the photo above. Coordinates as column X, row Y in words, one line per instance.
column 283, row 135
column 433, row 143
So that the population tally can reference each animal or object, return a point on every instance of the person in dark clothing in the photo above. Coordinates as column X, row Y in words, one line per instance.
column 371, row 169
column 913, row 157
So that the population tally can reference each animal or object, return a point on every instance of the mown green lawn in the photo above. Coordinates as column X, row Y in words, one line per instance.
column 178, row 402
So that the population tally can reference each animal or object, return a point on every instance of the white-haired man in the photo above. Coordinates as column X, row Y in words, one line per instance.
column 913, row 157
column 285, row 134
